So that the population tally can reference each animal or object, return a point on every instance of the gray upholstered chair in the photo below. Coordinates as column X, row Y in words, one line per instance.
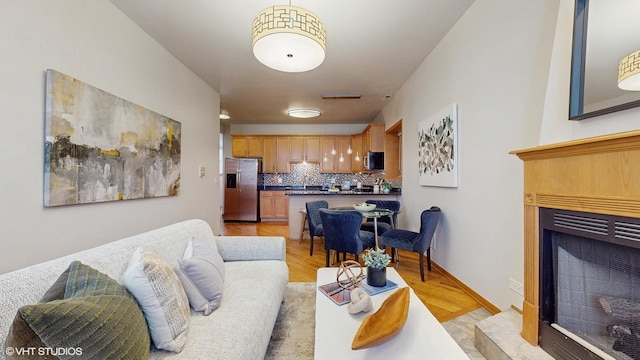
column 384, row 223
column 342, row 233
column 413, row 241
column 315, row 223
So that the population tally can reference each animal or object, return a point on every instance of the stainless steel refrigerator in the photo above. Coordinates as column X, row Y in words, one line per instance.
column 241, row 189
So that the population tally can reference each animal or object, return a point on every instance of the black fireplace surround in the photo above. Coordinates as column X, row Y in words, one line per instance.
column 589, row 285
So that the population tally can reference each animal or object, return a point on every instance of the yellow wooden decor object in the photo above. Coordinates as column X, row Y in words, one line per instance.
column 385, row 323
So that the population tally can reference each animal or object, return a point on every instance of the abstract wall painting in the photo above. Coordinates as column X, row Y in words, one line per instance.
column 438, row 148
column 100, row 147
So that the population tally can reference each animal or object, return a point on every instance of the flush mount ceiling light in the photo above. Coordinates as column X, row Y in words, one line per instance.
column 303, row 113
column 288, row 38
column 224, row 114
column 629, row 72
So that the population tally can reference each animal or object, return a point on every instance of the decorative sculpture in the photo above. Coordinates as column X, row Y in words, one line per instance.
column 360, row 301
column 346, row 278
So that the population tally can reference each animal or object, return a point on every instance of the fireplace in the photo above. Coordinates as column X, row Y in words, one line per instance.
column 596, row 178
column 589, row 285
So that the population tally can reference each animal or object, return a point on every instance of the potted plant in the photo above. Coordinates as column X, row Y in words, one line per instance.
column 385, row 186
column 376, row 261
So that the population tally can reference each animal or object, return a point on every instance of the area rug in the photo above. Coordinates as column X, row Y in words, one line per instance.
column 293, row 335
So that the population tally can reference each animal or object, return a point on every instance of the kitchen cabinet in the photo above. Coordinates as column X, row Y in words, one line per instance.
column 282, row 160
column 393, row 152
column 274, row 206
column 270, row 157
column 276, row 155
column 303, row 148
column 327, row 147
column 312, row 148
column 247, row 146
column 343, row 143
column 331, row 162
column 357, row 155
column 374, row 137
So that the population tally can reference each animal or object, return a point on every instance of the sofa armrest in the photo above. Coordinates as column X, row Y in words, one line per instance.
column 246, row 248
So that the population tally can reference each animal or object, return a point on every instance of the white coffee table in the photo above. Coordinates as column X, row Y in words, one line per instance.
column 421, row 338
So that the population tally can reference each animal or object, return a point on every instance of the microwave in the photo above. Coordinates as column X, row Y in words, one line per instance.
column 374, row 160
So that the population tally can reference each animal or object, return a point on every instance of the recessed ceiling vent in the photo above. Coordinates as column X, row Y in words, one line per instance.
column 341, row 96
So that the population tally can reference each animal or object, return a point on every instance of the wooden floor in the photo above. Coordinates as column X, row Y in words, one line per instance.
column 443, row 297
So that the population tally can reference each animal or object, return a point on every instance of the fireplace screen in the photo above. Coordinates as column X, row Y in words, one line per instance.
column 597, row 293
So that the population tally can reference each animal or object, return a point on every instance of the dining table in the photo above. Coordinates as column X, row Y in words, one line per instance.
column 373, row 214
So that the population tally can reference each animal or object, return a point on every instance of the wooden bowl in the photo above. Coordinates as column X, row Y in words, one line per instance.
column 385, row 323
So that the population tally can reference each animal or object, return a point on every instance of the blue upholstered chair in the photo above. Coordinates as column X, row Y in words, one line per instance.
column 413, row 241
column 313, row 216
column 384, row 223
column 342, row 233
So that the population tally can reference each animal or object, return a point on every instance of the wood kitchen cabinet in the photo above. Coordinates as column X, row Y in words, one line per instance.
column 342, row 144
column 332, row 164
column 374, row 137
column 303, row 148
column 274, row 206
column 276, row 155
column 327, row 145
column 247, row 146
column 393, row 152
column 282, row 148
column 270, row 157
column 358, row 153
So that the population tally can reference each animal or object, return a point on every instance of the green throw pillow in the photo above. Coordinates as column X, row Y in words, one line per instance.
column 97, row 318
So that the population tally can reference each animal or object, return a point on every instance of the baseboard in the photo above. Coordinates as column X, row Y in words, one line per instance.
column 482, row 301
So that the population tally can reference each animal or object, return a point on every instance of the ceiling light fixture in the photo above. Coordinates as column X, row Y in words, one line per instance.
column 288, row 38
column 224, row 114
column 357, row 158
column 341, row 159
column 303, row 113
column 629, row 72
column 349, row 151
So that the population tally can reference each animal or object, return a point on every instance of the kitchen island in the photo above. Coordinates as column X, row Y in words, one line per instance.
column 299, row 197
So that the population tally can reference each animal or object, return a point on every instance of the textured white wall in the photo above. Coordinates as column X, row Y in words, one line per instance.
column 93, row 42
column 494, row 64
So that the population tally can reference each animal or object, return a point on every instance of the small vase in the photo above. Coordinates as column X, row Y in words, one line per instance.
column 386, row 191
column 377, row 277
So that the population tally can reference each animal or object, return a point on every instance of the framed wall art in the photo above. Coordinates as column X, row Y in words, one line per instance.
column 99, row 147
column 438, row 148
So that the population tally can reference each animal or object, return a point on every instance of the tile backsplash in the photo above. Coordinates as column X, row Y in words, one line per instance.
column 309, row 174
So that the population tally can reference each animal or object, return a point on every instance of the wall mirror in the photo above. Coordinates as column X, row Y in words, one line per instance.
column 605, row 31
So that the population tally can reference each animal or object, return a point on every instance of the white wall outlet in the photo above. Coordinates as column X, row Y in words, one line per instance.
column 201, row 171
column 516, row 287
column 279, row 180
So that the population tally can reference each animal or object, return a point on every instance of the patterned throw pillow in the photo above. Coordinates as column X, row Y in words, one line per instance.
column 160, row 294
column 201, row 272
column 85, row 314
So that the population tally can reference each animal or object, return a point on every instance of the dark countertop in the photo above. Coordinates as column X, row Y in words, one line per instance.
column 318, row 190
column 346, row 192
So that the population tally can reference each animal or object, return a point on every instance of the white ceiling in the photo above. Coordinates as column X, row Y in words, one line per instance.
column 372, row 49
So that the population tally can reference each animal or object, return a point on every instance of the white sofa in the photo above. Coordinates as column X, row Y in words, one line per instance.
column 256, row 275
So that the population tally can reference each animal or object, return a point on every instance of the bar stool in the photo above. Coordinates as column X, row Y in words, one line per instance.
column 304, row 228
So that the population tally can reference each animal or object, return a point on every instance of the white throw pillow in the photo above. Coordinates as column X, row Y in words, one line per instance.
column 159, row 292
column 202, row 275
